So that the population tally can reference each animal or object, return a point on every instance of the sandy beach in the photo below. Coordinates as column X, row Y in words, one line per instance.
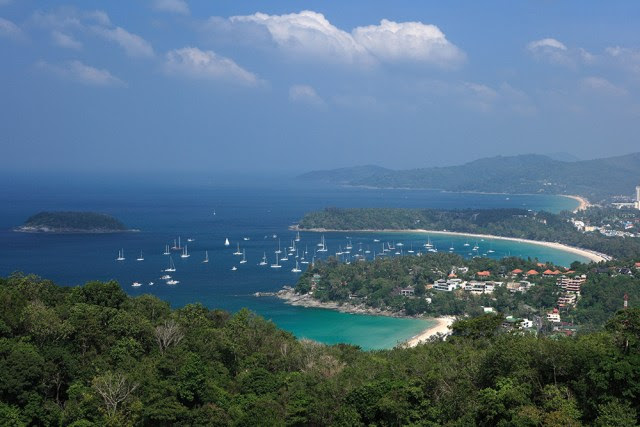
column 584, row 203
column 589, row 254
column 441, row 327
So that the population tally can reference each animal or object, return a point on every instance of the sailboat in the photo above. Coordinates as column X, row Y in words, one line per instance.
column 237, row 252
column 285, row 257
column 276, row 265
column 136, row 284
column 185, row 253
column 296, row 269
column 244, row 258
column 298, row 237
column 428, row 244
column 410, row 251
column 177, row 246
column 466, row 243
column 171, row 267
column 206, row 257
column 226, row 242
column 279, row 251
column 234, row 268
column 264, row 259
column 166, row 250
column 120, row 255
column 324, row 245
column 140, row 258
column 172, row 282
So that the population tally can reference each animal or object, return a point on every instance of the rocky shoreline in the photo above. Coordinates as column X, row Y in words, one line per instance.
column 289, row 296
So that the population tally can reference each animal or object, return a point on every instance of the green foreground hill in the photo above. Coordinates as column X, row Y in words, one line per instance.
column 595, row 179
column 91, row 355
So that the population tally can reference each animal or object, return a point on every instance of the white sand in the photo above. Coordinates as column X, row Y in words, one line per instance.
column 441, row 327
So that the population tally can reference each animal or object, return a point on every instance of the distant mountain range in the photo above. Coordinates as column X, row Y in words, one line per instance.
column 532, row 173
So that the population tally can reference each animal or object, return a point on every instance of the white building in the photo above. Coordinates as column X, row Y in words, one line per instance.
column 638, row 197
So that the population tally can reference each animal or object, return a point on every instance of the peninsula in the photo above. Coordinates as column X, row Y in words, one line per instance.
column 544, row 228
column 72, row 222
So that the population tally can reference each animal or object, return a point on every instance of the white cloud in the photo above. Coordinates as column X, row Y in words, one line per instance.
column 392, row 41
column 65, row 40
column 173, row 6
column 624, row 57
column 553, row 51
column 82, row 73
column 309, row 36
column 546, row 43
column 305, row 94
column 70, row 22
column 132, row 44
column 10, row 30
column 195, row 63
column 602, row 85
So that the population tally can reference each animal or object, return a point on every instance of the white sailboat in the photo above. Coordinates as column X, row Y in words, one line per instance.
column 206, row 257
column 276, row 265
column 264, row 259
column 172, row 282
column 296, row 269
column 298, row 237
column 140, row 258
column 120, row 255
column 166, row 250
column 237, row 252
column 171, row 267
column 234, row 268
column 185, row 252
column 136, row 284
column 279, row 251
column 244, row 258
column 323, row 243
column 177, row 246
column 285, row 257
column 226, row 242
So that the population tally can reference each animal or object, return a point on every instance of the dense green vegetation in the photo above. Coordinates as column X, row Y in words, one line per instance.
column 72, row 222
column 376, row 283
column 595, row 179
column 93, row 356
column 517, row 223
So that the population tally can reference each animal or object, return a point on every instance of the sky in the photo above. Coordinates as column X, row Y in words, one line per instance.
column 174, row 86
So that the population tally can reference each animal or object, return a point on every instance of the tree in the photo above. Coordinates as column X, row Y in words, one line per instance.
column 168, row 334
column 114, row 389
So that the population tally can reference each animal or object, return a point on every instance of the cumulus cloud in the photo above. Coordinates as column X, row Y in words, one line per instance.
column 132, row 44
column 310, row 36
column 392, row 41
column 79, row 72
column 65, row 40
column 305, row 94
column 173, row 6
column 602, row 86
column 10, row 30
column 195, row 63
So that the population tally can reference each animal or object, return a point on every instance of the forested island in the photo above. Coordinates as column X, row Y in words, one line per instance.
column 513, row 223
column 91, row 355
column 597, row 179
column 72, row 222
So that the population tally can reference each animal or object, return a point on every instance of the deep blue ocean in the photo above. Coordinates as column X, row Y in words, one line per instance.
column 256, row 209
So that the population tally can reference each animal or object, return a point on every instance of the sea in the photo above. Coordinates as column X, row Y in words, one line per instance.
column 254, row 213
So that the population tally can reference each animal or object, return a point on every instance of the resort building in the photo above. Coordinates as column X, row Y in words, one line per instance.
column 447, row 285
column 521, row 286
column 407, row 292
column 571, row 284
column 554, row 316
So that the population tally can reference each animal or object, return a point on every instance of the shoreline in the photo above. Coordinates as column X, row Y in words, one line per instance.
column 290, row 297
column 440, row 328
column 586, row 253
column 583, row 202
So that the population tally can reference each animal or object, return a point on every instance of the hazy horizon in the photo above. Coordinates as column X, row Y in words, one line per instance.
column 177, row 86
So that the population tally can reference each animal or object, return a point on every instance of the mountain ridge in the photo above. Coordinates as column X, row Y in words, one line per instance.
column 595, row 179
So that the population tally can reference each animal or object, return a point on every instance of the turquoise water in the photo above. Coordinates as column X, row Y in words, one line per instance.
column 257, row 212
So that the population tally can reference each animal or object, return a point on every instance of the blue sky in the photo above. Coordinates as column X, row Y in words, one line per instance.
column 181, row 85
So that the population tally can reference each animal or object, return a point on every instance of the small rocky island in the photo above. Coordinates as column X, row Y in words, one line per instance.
column 72, row 222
